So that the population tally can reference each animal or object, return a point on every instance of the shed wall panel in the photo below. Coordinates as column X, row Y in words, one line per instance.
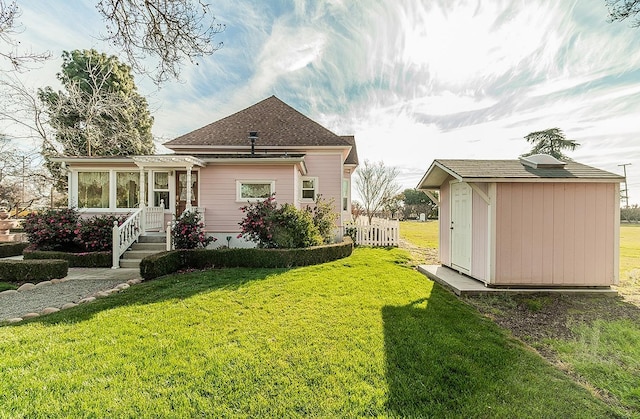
column 444, row 247
column 555, row 234
column 479, row 234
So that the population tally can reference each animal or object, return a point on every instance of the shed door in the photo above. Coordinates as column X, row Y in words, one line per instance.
column 461, row 226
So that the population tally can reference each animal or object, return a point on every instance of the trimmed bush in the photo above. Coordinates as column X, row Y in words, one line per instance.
column 188, row 232
column 32, row 270
column 75, row 260
column 95, row 234
column 169, row 262
column 12, row 249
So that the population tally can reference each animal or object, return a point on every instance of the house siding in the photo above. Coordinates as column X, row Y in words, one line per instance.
column 218, row 191
column 556, row 234
column 327, row 167
column 479, row 234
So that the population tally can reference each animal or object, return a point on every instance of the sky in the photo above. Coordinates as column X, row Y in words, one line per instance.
column 413, row 80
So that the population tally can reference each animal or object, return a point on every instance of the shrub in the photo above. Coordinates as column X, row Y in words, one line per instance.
column 32, row 270
column 169, row 262
column 287, row 227
column 52, row 229
column 75, row 260
column 188, row 232
column 95, row 234
column 12, row 249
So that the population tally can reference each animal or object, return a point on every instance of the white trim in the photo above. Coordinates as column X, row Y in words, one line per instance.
column 240, row 182
column 616, row 236
column 316, row 188
column 480, row 193
column 492, row 231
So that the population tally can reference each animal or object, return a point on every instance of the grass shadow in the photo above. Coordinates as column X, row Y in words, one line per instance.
column 177, row 286
column 442, row 360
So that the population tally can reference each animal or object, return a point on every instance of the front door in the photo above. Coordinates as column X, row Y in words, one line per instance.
column 461, row 226
column 181, row 191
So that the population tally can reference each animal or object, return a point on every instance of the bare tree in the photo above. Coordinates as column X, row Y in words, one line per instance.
column 376, row 184
column 168, row 30
column 9, row 29
column 620, row 10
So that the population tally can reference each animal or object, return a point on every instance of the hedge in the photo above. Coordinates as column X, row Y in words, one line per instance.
column 33, row 270
column 166, row 263
column 76, row 260
column 12, row 249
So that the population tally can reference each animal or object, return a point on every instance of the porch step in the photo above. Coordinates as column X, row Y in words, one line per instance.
column 147, row 245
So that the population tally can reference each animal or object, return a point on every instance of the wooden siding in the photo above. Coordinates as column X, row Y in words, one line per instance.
column 328, row 169
column 218, row 191
column 555, row 234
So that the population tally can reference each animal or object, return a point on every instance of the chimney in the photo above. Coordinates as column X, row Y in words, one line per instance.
column 253, row 136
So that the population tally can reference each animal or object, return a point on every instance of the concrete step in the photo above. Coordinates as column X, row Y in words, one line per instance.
column 156, row 247
column 130, row 263
column 138, row 254
column 153, row 238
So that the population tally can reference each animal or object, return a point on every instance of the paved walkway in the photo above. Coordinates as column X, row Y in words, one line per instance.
column 81, row 285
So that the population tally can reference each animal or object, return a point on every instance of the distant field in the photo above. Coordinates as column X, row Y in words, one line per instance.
column 420, row 234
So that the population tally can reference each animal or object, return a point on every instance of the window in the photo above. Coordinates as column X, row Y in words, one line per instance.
column 161, row 189
column 249, row 190
column 93, row 190
column 127, row 189
column 309, row 188
column 345, row 194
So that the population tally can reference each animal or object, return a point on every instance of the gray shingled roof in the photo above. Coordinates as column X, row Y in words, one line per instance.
column 352, row 158
column 504, row 170
column 277, row 124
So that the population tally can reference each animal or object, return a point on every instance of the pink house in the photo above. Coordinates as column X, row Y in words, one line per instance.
column 264, row 149
column 530, row 222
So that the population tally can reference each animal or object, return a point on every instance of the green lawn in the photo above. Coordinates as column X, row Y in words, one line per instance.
column 363, row 336
column 420, row 234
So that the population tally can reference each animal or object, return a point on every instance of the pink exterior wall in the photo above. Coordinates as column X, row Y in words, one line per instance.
column 444, row 215
column 218, row 191
column 328, row 169
column 556, row 234
column 479, row 234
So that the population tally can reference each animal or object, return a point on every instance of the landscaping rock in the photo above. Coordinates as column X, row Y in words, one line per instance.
column 30, row 315
column 101, row 294
column 14, row 320
column 50, row 310
column 122, row 286
column 8, row 292
column 43, row 283
column 87, row 300
column 26, row 287
column 134, row 281
column 68, row 305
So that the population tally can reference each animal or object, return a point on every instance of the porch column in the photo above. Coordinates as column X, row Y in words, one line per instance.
column 188, row 206
column 143, row 200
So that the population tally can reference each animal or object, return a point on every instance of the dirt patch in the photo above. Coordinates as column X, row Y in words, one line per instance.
column 420, row 255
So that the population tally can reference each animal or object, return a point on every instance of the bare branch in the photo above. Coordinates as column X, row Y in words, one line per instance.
column 19, row 59
column 167, row 30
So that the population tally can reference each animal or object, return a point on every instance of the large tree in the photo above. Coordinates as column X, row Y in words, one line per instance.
column 376, row 184
column 166, row 32
column 551, row 141
column 99, row 112
column 624, row 9
column 416, row 202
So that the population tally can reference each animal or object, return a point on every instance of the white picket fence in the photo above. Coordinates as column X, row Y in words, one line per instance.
column 379, row 233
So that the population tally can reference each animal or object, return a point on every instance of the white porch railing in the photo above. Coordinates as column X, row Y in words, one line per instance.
column 154, row 217
column 123, row 236
column 379, row 233
column 126, row 234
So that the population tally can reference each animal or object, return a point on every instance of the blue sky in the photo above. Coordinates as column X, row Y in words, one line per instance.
column 412, row 80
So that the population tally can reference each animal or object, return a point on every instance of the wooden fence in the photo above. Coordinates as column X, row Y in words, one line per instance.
column 379, row 233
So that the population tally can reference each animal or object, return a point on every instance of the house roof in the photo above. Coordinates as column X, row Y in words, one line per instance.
column 352, row 158
column 510, row 171
column 277, row 125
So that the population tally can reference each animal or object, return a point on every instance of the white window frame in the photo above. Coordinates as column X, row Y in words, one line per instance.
column 239, row 183
column 346, row 189
column 153, row 190
column 76, row 187
column 314, row 179
column 114, row 204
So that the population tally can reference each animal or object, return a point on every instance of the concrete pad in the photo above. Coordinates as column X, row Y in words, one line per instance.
column 463, row 285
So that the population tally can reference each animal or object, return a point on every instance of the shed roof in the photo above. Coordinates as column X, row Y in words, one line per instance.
column 510, row 171
column 277, row 125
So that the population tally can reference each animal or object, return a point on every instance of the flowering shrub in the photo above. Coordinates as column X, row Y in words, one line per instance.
column 188, row 232
column 52, row 229
column 271, row 226
column 95, row 234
